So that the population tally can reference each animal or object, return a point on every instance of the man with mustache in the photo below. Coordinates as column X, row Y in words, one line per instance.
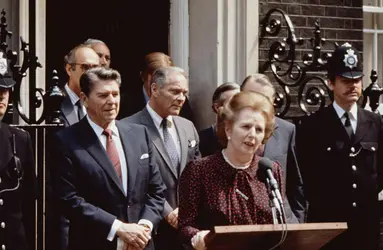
column 17, row 176
column 175, row 142
column 340, row 152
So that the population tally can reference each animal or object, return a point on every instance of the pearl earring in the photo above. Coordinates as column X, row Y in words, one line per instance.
column 228, row 138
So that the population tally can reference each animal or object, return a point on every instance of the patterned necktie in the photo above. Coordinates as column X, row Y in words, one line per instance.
column 80, row 111
column 112, row 152
column 170, row 145
column 348, row 127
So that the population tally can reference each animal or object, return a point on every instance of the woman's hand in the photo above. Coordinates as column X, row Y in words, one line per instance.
column 198, row 241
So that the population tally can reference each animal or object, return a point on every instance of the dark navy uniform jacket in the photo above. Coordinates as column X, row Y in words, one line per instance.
column 17, row 190
column 343, row 177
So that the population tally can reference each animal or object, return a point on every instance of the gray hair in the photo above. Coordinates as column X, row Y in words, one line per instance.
column 91, row 76
column 71, row 56
column 161, row 75
column 260, row 79
column 92, row 41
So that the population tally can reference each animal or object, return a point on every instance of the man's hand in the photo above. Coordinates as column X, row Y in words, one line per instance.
column 133, row 234
column 198, row 240
column 172, row 218
column 130, row 247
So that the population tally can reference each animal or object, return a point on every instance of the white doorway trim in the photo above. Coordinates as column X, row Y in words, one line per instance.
column 179, row 33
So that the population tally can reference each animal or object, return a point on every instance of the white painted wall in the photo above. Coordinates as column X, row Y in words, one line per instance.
column 223, row 46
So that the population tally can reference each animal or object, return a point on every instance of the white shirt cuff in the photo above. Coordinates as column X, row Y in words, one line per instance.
column 120, row 244
column 115, row 226
column 146, row 222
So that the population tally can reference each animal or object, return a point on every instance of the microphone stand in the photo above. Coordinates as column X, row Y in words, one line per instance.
column 277, row 204
column 271, row 202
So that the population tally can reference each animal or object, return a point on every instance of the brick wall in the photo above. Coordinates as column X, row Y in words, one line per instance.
column 340, row 21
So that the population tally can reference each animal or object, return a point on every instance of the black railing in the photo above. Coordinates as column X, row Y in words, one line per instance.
column 40, row 128
column 305, row 75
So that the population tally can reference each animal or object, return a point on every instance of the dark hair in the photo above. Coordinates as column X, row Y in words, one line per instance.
column 245, row 99
column 94, row 75
column 227, row 86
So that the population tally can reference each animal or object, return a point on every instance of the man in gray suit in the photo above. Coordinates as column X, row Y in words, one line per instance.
column 281, row 148
column 78, row 60
column 175, row 139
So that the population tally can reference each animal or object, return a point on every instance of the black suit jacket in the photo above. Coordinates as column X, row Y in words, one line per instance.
column 68, row 115
column 16, row 205
column 343, row 177
column 209, row 143
column 281, row 148
column 90, row 192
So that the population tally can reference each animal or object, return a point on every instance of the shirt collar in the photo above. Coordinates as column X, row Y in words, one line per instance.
column 340, row 112
column 98, row 130
column 72, row 95
column 156, row 118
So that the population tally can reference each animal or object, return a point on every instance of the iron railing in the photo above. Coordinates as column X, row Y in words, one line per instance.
column 305, row 75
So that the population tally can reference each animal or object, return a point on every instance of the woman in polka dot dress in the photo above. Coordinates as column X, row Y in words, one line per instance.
column 226, row 188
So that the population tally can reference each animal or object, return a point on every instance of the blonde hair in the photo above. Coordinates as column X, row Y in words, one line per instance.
column 229, row 112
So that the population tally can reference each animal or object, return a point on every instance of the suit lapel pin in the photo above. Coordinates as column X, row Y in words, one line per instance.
column 192, row 143
column 144, row 156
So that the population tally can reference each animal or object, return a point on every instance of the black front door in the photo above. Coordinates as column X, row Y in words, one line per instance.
column 131, row 29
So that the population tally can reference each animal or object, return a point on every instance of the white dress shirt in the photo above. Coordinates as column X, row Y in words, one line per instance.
column 74, row 99
column 172, row 129
column 353, row 114
column 124, row 172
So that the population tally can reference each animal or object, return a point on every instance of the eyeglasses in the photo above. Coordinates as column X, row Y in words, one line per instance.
column 86, row 66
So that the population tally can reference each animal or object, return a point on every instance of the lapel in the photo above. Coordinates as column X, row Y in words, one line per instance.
column 272, row 142
column 92, row 144
column 68, row 111
column 147, row 120
column 363, row 125
column 5, row 145
column 131, row 161
column 183, row 141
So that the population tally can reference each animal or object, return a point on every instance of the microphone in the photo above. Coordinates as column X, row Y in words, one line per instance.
column 267, row 165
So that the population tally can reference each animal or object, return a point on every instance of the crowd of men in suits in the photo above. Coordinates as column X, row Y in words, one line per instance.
column 116, row 180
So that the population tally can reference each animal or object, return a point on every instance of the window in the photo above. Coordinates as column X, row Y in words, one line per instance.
column 373, row 39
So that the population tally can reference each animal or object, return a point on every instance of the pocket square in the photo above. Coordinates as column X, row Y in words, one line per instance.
column 144, row 156
column 192, row 143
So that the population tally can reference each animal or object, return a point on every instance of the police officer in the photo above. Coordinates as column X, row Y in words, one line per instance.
column 17, row 179
column 340, row 155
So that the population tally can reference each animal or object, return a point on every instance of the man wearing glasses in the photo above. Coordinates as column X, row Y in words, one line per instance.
column 77, row 61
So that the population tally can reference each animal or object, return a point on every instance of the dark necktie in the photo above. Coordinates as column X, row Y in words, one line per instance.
column 348, row 127
column 170, row 145
column 112, row 152
column 80, row 111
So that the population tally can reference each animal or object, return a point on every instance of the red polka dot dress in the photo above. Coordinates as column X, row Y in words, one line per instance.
column 213, row 193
